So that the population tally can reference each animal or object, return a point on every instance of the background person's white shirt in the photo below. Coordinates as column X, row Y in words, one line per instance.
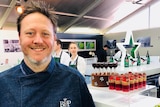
column 118, row 55
column 64, row 57
column 81, row 64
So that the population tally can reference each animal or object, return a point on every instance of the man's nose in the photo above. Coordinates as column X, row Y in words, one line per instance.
column 38, row 39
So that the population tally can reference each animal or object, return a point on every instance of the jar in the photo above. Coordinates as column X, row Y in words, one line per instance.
column 132, row 82
column 125, row 84
column 144, row 79
column 136, row 82
column 140, row 80
column 111, row 82
column 118, row 85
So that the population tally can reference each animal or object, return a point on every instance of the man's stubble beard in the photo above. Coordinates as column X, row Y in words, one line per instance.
column 31, row 60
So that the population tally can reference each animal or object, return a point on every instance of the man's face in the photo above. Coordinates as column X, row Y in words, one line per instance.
column 105, row 48
column 36, row 38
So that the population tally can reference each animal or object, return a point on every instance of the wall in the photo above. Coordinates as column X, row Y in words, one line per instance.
column 85, row 54
column 12, row 57
column 15, row 57
column 101, row 40
column 153, row 33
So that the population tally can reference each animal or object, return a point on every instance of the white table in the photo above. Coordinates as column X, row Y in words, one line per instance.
column 103, row 97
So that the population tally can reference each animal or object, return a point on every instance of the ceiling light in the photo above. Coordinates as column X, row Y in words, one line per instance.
column 19, row 7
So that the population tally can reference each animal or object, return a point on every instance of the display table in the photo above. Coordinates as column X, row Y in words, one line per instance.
column 103, row 97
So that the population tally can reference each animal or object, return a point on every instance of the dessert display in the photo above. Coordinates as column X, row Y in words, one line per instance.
column 100, row 79
column 120, row 82
column 128, row 81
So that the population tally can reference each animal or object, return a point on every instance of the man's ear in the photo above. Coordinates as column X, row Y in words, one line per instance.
column 55, row 37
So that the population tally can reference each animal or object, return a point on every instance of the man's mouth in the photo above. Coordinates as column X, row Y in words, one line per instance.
column 38, row 49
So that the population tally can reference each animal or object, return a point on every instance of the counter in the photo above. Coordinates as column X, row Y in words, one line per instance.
column 103, row 97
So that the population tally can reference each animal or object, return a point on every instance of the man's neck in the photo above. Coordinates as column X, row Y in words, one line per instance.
column 37, row 67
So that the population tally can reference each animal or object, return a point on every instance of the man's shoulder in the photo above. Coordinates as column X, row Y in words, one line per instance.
column 10, row 71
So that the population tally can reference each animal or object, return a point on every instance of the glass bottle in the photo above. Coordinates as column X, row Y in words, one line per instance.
column 138, row 59
column 111, row 58
column 126, row 61
column 148, row 58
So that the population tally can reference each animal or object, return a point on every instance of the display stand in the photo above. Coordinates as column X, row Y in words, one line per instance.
column 103, row 97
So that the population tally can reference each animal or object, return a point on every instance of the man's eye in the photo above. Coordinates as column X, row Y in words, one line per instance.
column 29, row 33
column 45, row 34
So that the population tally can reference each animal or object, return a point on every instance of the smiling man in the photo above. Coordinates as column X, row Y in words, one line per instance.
column 36, row 40
column 39, row 81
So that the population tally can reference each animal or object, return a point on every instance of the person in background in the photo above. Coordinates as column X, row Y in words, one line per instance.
column 117, row 55
column 102, row 54
column 77, row 61
column 39, row 81
column 59, row 54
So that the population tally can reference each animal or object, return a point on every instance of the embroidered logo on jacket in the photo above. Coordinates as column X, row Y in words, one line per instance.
column 65, row 103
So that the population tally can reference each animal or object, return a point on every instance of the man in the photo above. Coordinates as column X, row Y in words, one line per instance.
column 59, row 54
column 102, row 54
column 39, row 81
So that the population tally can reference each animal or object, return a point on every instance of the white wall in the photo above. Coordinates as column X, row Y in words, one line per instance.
column 12, row 57
column 153, row 33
